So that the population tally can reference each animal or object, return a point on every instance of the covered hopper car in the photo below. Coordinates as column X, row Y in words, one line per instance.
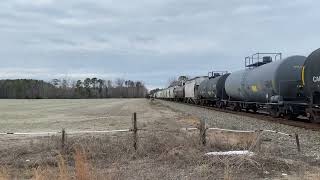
column 191, row 89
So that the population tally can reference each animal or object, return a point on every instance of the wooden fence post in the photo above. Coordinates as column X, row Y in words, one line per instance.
column 63, row 139
column 298, row 143
column 203, row 130
column 135, row 131
column 258, row 140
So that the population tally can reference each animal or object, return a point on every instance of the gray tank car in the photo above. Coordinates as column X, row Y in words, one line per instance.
column 272, row 82
column 311, row 77
column 311, row 85
column 213, row 87
column 286, row 88
column 212, row 90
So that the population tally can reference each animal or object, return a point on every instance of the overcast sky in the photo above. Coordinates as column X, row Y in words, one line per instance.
column 149, row 40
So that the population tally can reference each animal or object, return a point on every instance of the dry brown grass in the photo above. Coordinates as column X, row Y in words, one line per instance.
column 40, row 173
column 4, row 175
column 192, row 120
column 227, row 171
column 81, row 165
column 160, row 155
column 81, row 171
column 63, row 171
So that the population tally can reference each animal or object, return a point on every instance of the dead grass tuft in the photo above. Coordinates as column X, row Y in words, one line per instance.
column 81, row 165
column 40, row 174
column 63, row 171
column 4, row 175
column 203, row 170
column 227, row 171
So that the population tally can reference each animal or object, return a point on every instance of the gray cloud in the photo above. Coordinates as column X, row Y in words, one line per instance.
column 148, row 40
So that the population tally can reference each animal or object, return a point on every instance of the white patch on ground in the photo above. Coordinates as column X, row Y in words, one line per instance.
column 230, row 153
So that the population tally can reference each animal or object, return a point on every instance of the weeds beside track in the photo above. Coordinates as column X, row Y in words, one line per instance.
column 300, row 123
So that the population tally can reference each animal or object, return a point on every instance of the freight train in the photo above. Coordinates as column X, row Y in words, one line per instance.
column 288, row 87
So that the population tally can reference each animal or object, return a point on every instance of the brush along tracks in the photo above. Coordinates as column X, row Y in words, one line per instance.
column 300, row 123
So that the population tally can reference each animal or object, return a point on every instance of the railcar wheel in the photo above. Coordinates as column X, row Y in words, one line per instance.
column 218, row 104
column 237, row 108
column 255, row 109
column 290, row 116
column 313, row 119
column 234, row 108
column 221, row 105
column 275, row 113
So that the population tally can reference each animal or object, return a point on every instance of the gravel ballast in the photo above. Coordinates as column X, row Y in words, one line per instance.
column 309, row 139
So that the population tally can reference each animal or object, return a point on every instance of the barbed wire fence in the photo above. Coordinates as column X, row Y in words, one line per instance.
column 203, row 130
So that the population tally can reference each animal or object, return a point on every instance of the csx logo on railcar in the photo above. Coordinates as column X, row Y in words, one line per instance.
column 316, row 79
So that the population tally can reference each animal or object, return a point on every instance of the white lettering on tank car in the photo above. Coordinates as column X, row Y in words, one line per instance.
column 316, row 79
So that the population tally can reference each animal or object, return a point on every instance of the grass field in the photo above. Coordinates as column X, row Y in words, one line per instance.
column 53, row 115
column 164, row 152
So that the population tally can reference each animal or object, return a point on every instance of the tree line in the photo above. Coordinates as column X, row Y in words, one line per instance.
column 172, row 82
column 177, row 81
column 69, row 89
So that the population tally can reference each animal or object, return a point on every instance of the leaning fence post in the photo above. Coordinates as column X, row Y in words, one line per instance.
column 203, row 130
column 298, row 142
column 135, row 131
column 63, row 139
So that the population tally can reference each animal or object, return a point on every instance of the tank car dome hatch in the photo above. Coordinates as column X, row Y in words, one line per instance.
column 214, row 74
column 259, row 59
column 267, row 59
column 311, row 77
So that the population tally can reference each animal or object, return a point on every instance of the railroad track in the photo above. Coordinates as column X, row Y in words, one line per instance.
column 263, row 116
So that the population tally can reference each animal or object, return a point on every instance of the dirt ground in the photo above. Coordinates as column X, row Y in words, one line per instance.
column 164, row 150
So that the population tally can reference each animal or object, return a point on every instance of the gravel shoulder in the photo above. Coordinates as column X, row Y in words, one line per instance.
column 310, row 140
